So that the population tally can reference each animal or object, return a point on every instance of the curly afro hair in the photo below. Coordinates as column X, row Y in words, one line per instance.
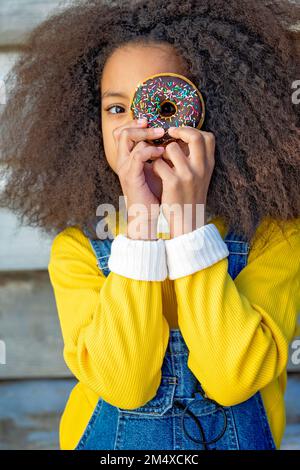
column 237, row 52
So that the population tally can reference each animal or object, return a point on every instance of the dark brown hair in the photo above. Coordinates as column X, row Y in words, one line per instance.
column 237, row 52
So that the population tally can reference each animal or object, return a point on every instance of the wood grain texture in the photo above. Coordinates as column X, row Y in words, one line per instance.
column 30, row 327
column 19, row 17
column 21, row 247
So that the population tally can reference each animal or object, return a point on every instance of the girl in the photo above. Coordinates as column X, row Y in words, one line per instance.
column 178, row 342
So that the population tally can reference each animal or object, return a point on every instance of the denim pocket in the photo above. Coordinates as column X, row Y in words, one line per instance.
column 162, row 401
column 90, row 425
column 265, row 422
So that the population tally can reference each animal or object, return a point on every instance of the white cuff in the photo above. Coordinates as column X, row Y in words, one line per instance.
column 193, row 251
column 144, row 260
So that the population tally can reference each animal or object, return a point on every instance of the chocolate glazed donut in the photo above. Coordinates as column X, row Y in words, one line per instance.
column 168, row 100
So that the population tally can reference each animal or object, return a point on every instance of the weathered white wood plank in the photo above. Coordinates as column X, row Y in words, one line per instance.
column 21, row 247
column 18, row 17
column 30, row 327
column 30, row 412
column 6, row 62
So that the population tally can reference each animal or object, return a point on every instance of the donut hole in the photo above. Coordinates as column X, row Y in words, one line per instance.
column 167, row 109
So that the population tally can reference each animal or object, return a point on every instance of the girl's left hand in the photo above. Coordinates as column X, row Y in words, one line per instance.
column 187, row 180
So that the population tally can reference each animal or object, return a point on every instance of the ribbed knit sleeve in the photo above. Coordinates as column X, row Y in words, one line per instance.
column 144, row 260
column 192, row 251
column 115, row 335
column 238, row 331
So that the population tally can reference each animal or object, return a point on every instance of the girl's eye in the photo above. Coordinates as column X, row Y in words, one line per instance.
column 115, row 106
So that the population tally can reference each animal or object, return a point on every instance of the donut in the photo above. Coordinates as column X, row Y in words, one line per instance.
column 168, row 99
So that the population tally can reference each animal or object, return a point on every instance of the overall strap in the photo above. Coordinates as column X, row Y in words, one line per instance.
column 101, row 248
column 238, row 249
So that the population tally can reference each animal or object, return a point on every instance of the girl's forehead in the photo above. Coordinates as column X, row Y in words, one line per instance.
column 129, row 65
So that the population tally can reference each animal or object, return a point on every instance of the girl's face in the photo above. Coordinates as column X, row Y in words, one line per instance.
column 127, row 66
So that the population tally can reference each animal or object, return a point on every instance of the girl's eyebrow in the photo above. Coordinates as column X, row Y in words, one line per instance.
column 110, row 93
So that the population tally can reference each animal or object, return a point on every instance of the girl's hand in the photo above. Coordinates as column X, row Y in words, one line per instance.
column 186, row 179
column 131, row 159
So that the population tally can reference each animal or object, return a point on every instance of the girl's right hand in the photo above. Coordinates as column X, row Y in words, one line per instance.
column 131, row 158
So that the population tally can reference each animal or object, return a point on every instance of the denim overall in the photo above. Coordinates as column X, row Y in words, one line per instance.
column 180, row 416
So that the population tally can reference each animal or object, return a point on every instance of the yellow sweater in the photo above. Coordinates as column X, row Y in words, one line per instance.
column 111, row 326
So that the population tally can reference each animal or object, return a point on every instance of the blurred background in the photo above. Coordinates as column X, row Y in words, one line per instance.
column 34, row 381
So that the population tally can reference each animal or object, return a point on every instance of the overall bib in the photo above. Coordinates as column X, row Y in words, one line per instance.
column 180, row 416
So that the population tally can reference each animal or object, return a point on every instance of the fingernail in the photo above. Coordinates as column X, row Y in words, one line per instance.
column 158, row 130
